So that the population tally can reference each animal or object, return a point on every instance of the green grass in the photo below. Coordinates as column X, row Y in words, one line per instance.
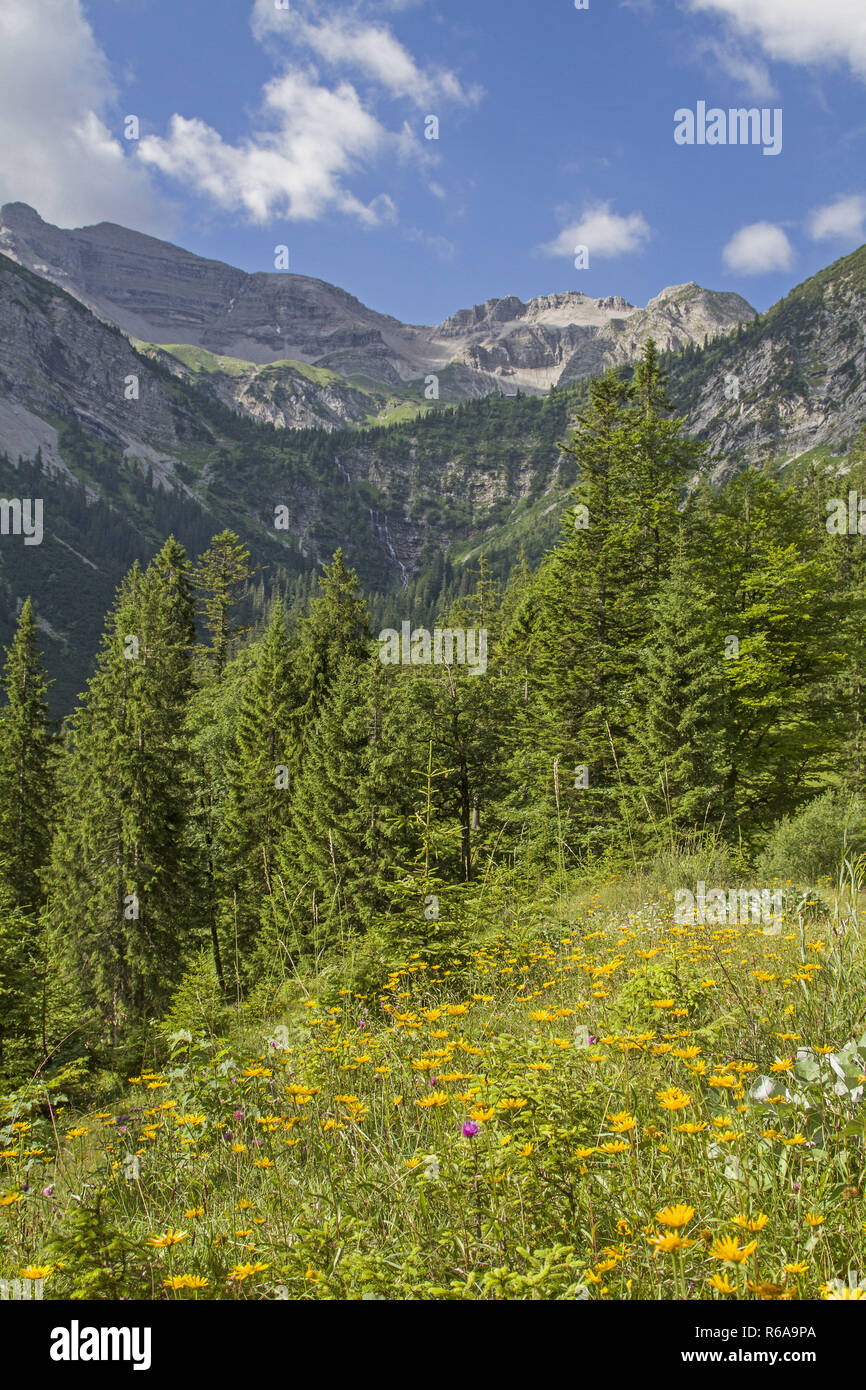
column 200, row 360
column 516, row 1123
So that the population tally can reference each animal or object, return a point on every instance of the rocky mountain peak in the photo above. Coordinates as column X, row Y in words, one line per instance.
column 161, row 294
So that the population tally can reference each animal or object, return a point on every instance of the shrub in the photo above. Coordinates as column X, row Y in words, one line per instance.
column 812, row 844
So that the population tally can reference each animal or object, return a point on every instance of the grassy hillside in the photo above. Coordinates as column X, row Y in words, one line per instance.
column 602, row 1105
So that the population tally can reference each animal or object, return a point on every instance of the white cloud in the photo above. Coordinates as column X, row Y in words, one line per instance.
column 374, row 51
column 56, row 93
column 799, row 31
column 843, row 220
column 747, row 71
column 370, row 49
column 441, row 247
column 58, row 102
column 311, row 137
column 294, row 168
column 758, row 249
column 604, row 232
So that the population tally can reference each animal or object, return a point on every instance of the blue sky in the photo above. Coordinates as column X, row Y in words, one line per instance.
column 305, row 126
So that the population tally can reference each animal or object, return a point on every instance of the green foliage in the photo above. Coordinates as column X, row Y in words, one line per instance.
column 26, row 766
column 220, row 574
column 197, row 1005
column 812, row 844
column 122, row 891
column 99, row 1260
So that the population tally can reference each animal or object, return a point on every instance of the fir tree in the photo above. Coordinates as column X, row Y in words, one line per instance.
column 122, row 896
column 259, row 799
column 26, row 750
column 675, row 750
column 220, row 576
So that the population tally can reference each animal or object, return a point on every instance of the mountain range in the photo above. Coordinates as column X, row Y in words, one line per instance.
column 159, row 294
column 156, row 390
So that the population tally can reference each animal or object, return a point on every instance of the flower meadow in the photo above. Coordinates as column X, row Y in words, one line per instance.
column 612, row 1107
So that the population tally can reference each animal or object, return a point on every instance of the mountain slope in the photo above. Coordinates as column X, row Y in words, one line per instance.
column 791, row 382
column 409, row 503
column 117, row 472
column 159, row 293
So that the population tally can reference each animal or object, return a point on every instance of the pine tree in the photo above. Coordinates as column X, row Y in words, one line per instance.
column 259, row 799
column 122, row 899
column 330, row 861
column 220, row 576
column 26, row 753
column 675, row 750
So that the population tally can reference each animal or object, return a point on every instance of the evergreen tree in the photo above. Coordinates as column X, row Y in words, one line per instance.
column 22, row 1041
column 330, row 862
column 122, row 899
column 592, row 603
column 211, row 745
column 220, row 576
column 775, row 619
column 675, row 750
column 259, row 798
column 845, row 551
column 335, row 630
column 26, row 750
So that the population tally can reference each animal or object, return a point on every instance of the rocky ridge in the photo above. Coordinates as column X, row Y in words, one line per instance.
column 159, row 293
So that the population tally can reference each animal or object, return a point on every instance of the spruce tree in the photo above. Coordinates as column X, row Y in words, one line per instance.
column 329, row 863
column 592, row 602
column 845, row 549
column 336, row 629
column 26, row 774
column 775, row 618
column 22, row 1041
column 220, row 576
column 675, row 748
column 259, row 798
column 122, row 898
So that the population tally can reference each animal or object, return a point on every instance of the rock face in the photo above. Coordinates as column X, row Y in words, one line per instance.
column 159, row 293
column 58, row 360
column 792, row 382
